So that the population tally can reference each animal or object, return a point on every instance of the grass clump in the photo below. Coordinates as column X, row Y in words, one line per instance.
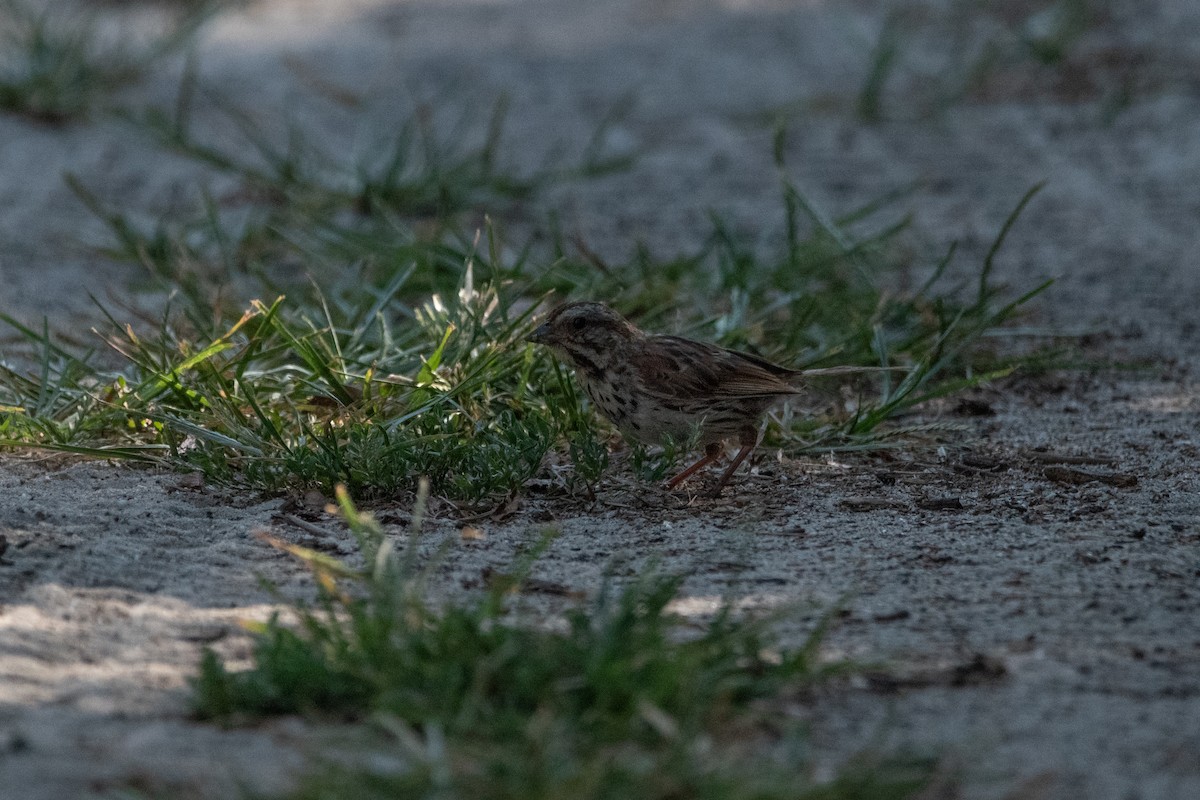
column 622, row 700
column 404, row 356
column 415, row 173
column 997, row 51
column 392, row 370
column 56, row 67
column 371, row 393
column 423, row 170
column 825, row 294
column 401, row 204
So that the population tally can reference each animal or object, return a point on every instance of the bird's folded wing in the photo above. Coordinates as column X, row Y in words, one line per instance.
column 680, row 369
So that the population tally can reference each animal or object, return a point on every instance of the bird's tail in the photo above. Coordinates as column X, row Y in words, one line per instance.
column 824, row 372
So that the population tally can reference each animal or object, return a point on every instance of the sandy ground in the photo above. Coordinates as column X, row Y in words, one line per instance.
column 1042, row 630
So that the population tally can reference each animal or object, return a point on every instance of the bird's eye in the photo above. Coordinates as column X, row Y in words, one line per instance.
column 578, row 323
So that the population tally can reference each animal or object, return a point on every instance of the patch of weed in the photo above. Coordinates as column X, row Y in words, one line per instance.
column 56, row 68
column 824, row 296
column 404, row 354
column 883, row 59
column 417, row 172
column 359, row 388
column 993, row 50
column 655, row 464
column 367, row 384
column 1051, row 33
column 622, row 700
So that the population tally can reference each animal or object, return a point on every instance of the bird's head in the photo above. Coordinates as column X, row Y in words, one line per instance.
column 586, row 334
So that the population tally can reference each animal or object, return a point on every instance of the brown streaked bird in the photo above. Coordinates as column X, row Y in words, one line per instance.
column 651, row 386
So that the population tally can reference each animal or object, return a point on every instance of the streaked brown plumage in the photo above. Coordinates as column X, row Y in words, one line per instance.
column 652, row 386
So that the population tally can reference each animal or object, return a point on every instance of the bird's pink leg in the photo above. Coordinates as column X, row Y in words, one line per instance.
column 711, row 453
column 748, row 440
column 746, row 450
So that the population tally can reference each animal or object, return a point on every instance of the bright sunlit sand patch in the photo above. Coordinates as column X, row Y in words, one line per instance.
column 770, row 5
column 1176, row 401
column 706, row 605
column 289, row 24
column 97, row 655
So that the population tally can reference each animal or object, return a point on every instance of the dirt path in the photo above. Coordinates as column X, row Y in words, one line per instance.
column 1039, row 614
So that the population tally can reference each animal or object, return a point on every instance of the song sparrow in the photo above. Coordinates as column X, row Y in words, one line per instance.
column 652, row 386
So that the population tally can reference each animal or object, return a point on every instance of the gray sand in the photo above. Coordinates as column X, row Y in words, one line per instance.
column 1044, row 637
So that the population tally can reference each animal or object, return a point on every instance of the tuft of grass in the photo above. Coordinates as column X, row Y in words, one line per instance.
column 414, row 174
column 826, row 295
column 988, row 50
column 396, row 370
column 362, row 390
column 621, row 700
column 56, row 68
column 655, row 464
column 542, row 766
column 883, row 61
column 301, row 209
column 403, row 354
column 415, row 170
column 1051, row 33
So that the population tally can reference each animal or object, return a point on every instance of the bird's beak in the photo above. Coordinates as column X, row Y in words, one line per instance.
column 540, row 334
